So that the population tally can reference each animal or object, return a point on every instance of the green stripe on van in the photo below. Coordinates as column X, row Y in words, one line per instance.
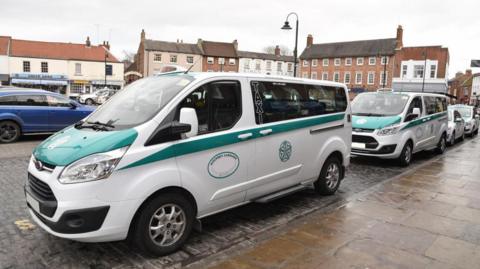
column 183, row 148
column 421, row 120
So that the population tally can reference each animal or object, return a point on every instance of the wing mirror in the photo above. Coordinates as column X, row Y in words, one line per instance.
column 189, row 116
column 415, row 114
column 458, row 119
column 73, row 105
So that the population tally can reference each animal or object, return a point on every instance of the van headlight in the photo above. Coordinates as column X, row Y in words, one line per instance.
column 389, row 130
column 94, row 167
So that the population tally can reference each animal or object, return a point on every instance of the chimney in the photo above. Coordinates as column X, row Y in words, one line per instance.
column 235, row 44
column 178, row 40
column 399, row 42
column 309, row 40
column 142, row 35
column 107, row 45
column 468, row 72
column 87, row 42
column 277, row 50
column 199, row 44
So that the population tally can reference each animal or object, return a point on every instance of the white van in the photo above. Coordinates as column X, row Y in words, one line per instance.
column 394, row 125
column 471, row 118
column 171, row 149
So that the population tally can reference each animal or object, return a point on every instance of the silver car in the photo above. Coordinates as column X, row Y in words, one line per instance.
column 456, row 126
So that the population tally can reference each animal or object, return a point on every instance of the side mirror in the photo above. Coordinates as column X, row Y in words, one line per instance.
column 416, row 111
column 477, row 116
column 73, row 105
column 458, row 119
column 189, row 116
column 179, row 128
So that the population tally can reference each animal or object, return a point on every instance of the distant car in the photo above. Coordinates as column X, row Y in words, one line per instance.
column 26, row 111
column 456, row 126
column 105, row 96
column 92, row 98
column 472, row 119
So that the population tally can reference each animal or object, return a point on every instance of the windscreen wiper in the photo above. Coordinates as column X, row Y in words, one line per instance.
column 97, row 126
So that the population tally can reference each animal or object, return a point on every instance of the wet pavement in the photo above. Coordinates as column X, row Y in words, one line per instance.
column 428, row 217
column 394, row 203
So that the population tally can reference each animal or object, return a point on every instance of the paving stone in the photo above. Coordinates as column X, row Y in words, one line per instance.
column 455, row 252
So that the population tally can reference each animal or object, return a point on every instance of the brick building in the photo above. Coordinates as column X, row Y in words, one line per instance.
column 461, row 87
column 219, row 56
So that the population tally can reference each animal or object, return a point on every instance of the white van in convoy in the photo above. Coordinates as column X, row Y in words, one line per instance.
column 171, row 149
column 394, row 125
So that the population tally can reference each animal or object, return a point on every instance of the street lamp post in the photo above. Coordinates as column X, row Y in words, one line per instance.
column 287, row 26
column 424, row 68
column 384, row 76
column 105, row 82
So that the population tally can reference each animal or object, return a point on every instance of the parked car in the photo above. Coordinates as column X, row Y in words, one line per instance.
column 472, row 119
column 456, row 126
column 92, row 98
column 394, row 125
column 105, row 96
column 25, row 111
column 169, row 150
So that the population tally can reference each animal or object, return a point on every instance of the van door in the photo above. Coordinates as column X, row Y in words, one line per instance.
column 435, row 108
column 417, row 125
column 214, row 164
column 282, row 115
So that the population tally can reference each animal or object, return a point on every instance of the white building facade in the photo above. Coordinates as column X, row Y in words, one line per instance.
column 418, row 73
column 265, row 63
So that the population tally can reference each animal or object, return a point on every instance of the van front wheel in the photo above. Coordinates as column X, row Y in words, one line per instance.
column 406, row 154
column 163, row 224
column 330, row 177
column 442, row 144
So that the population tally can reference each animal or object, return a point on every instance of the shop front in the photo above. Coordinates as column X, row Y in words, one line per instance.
column 49, row 82
column 112, row 84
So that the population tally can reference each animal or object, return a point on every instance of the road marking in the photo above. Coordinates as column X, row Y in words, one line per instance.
column 25, row 225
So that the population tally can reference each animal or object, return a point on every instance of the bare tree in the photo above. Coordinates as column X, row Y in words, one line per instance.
column 128, row 56
column 284, row 50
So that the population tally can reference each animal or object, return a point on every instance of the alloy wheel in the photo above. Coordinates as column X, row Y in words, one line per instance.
column 167, row 225
column 333, row 176
column 8, row 132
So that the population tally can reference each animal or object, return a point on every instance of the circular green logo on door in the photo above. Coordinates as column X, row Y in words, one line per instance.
column 223, row 165
column 285, row 151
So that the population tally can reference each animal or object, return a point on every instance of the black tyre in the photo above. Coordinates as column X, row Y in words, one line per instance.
column 405, row 157
column 9, row 131
column 442, row 144
column 463, row 136
column 163, row 224
column 452, row 140
column 89, row 102
column 330, row 177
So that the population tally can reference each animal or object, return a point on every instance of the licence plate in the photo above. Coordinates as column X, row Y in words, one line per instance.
column 358, row 145
column 33, row 203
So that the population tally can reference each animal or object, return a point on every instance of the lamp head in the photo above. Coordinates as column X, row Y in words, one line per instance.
column 286, row 26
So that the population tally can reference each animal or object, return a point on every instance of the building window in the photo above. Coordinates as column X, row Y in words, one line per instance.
column 383, row 78
column 337, row 61
column 314, row 75
column 246, row 64
column 384, row 60
column 78, row 69
column 358, row 78
column 231, row 61
column 336, row 77
column 221, row 60
column 26, row 66
column 210, row 60
column 108, row 70
column 346, row 78
column 279, row 67
column 268, row 65
column 372, row 61
column 76, row 88
column 371, row 78
column 305, row 75
column 418, row 71
column 305, row 63
column 325, row 76
column 314, row 62
column 325, row 62
column 189, row 59
column 209, row 70
column 433, row 71
column 257, row 65
column 290, row 67
column 44, row 67
column 348, row 61
column 404, row 70
column 157, row 57
column 360, row 61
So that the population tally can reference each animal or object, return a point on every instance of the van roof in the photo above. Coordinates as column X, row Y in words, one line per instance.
column 206, row 75
column 407, row 93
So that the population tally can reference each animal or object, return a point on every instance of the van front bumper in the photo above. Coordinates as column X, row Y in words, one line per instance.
column 386, row 147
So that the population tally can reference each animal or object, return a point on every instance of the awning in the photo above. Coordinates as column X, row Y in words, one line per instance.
column 39, row 82
column 4, row 77
column 109, row 82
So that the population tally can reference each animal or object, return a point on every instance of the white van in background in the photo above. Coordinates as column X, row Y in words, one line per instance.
column 394, row 125
column 174, row 148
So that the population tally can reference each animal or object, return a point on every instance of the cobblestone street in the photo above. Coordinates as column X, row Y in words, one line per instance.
column 24, row 245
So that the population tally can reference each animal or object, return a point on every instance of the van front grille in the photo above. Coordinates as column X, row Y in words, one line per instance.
column 40, row 188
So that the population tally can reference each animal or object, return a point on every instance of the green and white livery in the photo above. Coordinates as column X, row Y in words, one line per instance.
column 394, row 125
column 171, row 149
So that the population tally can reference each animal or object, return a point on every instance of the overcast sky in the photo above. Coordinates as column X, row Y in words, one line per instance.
column 255, row 24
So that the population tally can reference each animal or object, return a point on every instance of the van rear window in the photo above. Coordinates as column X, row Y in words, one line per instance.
column 276, row 101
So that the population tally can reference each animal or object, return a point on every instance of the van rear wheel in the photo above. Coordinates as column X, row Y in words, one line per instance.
column 330, row 177
column 163, row 224
column 9, row 131
column 442, row 144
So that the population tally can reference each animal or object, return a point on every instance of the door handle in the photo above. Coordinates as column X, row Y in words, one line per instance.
column 245, row 136
column 266, row 132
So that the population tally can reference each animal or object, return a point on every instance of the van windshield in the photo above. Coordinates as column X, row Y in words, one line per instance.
column 139, row 101
column 379, row 104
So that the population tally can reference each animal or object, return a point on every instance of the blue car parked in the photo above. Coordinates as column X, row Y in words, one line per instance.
column 26, row 111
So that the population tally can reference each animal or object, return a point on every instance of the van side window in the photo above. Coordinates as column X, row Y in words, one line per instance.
column 278, row 101
column 430, row 105
column 416, row 103
column 8, row 100
column 218, row 105
column 441, row 104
